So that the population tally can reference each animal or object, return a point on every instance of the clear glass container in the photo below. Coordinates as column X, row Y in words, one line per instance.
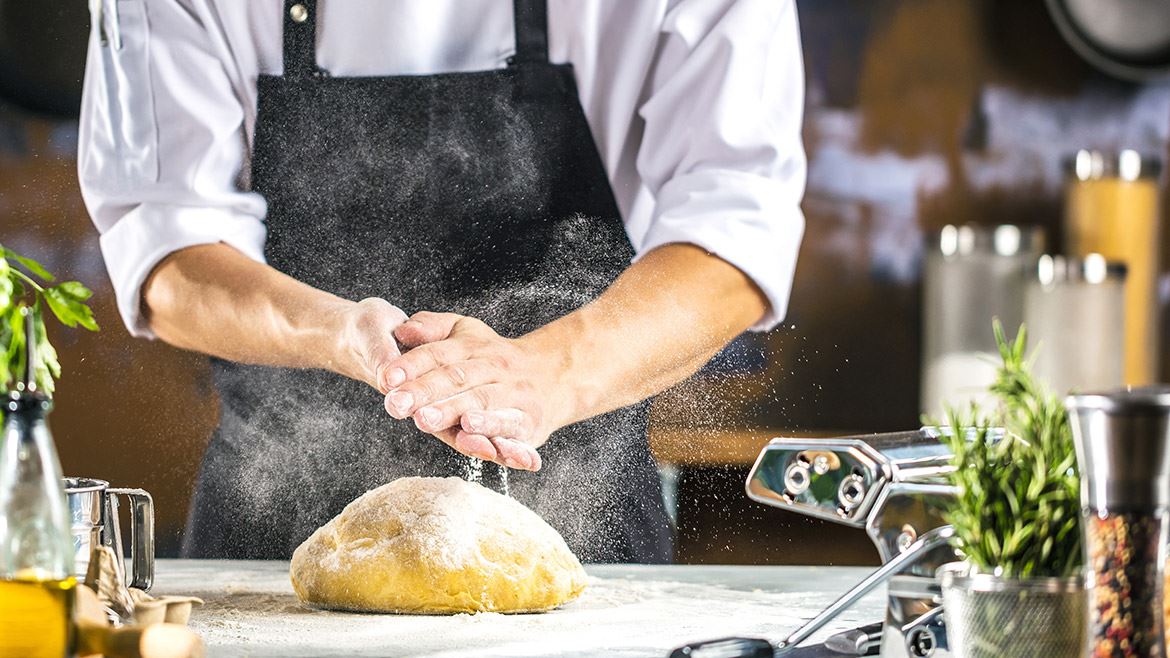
column 1075, row 313
column 972, row 275
column 1112, row 208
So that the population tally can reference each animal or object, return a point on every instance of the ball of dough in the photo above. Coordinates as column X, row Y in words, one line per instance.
column 436, row 545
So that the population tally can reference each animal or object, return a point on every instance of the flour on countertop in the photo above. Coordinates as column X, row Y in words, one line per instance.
column 614, row 617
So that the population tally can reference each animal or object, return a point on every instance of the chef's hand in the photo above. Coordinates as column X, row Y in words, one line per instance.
column 368, row 342
column 487, row 396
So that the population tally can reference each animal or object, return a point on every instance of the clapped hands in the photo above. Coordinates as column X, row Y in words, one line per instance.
column 486, row 396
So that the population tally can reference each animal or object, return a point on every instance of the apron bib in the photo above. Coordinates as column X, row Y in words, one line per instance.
column 480, row 193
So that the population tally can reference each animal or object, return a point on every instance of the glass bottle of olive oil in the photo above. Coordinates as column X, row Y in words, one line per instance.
column 36, row 551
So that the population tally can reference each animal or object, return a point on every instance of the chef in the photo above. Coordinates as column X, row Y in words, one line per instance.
column 579, row 204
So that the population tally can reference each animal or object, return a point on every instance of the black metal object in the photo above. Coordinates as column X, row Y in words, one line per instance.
column 727, row 647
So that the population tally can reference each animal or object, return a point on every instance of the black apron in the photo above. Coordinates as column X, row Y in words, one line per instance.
column 480, row 193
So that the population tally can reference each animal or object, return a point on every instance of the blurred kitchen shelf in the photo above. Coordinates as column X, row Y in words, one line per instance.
column 677, row 446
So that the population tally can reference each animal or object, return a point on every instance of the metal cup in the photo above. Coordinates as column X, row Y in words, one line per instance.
column 95, row 510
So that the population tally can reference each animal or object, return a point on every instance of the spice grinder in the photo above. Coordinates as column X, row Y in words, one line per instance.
column 1123, row 451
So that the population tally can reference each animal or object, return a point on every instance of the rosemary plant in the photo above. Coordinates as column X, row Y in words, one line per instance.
column 27, row 287
column 1017, row 511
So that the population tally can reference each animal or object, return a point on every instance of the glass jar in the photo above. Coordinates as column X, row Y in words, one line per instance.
column 1075, row 313
column 1111, row 208
column 972, row 275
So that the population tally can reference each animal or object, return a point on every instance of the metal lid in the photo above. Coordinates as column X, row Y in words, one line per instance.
column 1092, row 269
column 1003, row 240
column 1122, row 441
column 1127, row 165
column 83, row 485
column 1131, row 400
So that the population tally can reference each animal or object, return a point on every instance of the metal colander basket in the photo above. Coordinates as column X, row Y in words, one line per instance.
column 992, row 617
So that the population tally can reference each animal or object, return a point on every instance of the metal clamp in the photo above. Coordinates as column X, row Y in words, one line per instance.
column 919, row 549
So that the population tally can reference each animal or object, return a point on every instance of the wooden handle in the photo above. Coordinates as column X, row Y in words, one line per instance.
column 155, row 641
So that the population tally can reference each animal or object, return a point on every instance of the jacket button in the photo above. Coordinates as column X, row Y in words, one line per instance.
column 298, row 13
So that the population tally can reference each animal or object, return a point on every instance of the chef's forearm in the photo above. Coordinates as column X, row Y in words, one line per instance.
column 213, row 299
column 663, row 318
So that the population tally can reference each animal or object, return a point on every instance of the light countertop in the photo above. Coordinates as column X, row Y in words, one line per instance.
column 628, row 610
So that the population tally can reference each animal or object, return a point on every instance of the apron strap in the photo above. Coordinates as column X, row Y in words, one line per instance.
column 531, row 20
column 300, row 35
column 300, row 39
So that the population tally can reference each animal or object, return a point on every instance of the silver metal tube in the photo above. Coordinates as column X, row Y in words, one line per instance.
column 919, row 549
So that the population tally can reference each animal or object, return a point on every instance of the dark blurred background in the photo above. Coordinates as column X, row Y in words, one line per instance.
column 920, row 113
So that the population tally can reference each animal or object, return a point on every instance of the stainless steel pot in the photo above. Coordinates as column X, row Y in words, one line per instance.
column 95, row 509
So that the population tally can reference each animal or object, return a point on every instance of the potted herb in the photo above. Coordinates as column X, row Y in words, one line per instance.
column 26, row 287
column 1016, row 515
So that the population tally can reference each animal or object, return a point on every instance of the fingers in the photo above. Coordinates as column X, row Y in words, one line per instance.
column 437, row 339
column 512, row 423
column 439, row 384
column 426, row 327
column 473, row 445
column 382, row 354
column 516, row 454
column 424, row 359
column 503, row 451
column 506, row 452
column 449, row 394
column 448, row 413
column 450, row 437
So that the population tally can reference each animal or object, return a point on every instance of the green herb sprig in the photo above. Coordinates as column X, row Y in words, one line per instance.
column 1017, row 510
column 26, row 284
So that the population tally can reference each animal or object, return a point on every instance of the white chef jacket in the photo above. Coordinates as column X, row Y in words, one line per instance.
column 695, row 106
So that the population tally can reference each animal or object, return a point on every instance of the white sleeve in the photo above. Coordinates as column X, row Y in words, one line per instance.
column 162, row 142
column 721, row 152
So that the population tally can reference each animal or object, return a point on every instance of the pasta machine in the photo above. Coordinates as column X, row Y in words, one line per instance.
column 893, row 486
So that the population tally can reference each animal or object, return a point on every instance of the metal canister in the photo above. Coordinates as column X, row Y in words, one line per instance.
column 1111, row 208
column 96, row 521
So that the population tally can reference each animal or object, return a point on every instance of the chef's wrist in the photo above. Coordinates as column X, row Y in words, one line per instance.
column 573, row 392
column 346, row 323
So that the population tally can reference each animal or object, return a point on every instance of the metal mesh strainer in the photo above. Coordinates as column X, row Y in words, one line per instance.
column 992, row 617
